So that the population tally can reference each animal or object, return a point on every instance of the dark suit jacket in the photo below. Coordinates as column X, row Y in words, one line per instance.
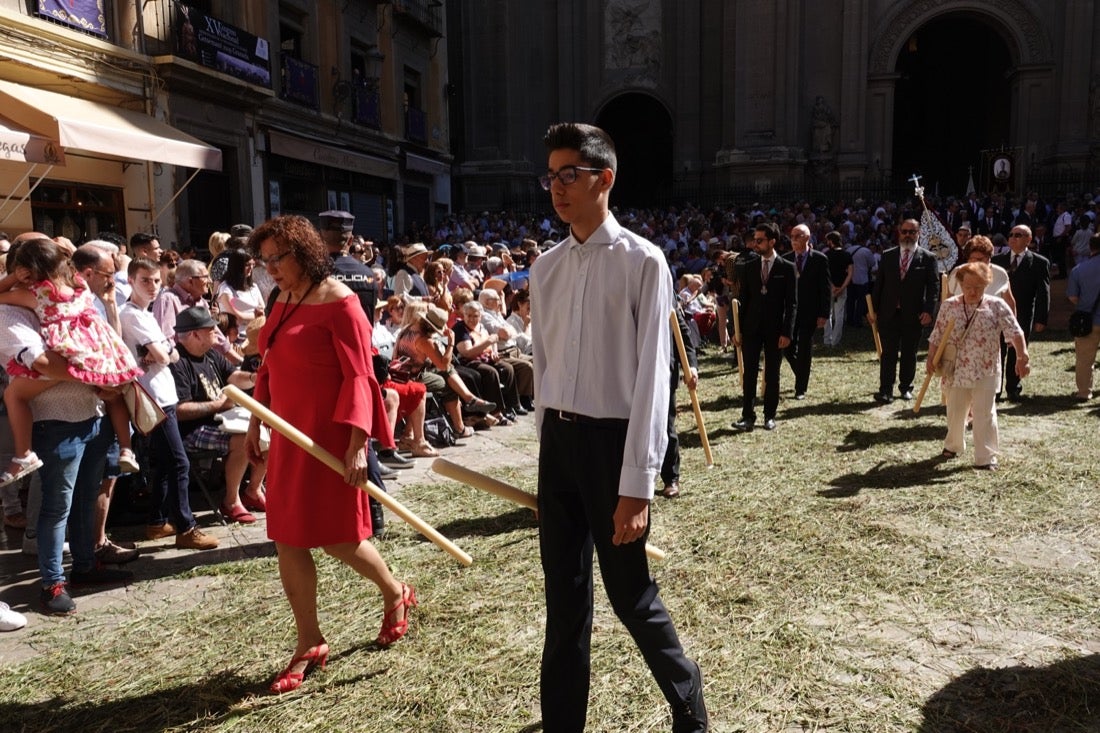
column 916, row 294
column 768, row 315
column 689, row 348
column 985, row 227
column 814, row 288
column 1030, row 287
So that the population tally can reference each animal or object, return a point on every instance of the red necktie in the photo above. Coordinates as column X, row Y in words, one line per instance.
column 904, row 262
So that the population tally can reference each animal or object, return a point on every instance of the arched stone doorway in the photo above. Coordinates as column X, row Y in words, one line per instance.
column 642, row 130
column 952, row 100
column 1010, row 26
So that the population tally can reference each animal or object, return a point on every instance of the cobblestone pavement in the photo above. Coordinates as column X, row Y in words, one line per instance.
column 160, row 561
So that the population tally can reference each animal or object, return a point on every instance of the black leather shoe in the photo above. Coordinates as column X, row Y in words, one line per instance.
column 671, row 491
column 519, row 410
column 769, row 424
column 883, row 399
column 390, row 457
column 690, row 714
column 745, row 426
column 1015, row 397
column 907, row 394
column 386, row 472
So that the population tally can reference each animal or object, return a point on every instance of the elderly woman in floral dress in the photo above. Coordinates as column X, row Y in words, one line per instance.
column 971, row 363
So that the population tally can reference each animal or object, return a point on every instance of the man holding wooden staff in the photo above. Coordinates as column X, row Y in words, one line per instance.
column 601, row 410
column 670, row 467
column 904, row 298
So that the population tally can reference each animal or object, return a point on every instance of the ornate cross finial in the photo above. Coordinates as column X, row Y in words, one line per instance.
column 917, row 188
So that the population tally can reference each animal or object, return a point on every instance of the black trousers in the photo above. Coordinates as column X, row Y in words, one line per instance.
column 751, row 347
column 579, row 467
column 800, row 355
column 1008, row 366
column 670, row 467
column 898, row 337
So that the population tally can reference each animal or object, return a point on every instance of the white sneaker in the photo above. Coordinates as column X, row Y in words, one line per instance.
column 30, row 546
column 9, row 619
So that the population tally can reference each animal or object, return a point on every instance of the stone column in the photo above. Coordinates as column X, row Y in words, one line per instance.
column 880, row 123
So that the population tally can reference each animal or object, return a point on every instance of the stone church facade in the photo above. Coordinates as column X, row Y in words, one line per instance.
column 774, row 95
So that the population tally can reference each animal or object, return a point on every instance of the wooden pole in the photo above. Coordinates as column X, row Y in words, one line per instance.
column 306, row 443
column 874, row 326
column 935, row 364
column 737, row 343
column 686, row 368
column 506, row 491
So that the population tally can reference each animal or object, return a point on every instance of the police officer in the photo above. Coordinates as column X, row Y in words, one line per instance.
column 336, row 232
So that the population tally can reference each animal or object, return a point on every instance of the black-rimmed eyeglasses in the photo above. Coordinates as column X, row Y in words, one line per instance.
column 567, row 175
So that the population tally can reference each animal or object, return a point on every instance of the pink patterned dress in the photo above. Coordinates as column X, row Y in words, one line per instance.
column 73, row 328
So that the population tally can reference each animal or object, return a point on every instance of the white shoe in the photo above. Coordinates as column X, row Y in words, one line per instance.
column 9, row 619
column 30, row 546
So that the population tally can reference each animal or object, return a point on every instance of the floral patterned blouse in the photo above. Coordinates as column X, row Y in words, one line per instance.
column 979, row 348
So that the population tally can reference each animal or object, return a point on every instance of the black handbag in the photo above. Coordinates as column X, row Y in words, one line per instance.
column 1080, row 321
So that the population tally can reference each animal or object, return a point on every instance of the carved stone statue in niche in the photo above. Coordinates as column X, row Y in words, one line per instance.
column 633, row 32
column 824, row 127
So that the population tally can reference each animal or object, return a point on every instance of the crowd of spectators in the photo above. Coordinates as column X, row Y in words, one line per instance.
column 453, row 313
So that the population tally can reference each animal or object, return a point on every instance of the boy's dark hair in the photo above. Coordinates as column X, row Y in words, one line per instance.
column 769, row 230
column 141, row 238
column 594, row 145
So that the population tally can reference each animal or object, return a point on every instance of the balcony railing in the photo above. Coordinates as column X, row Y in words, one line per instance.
column 366, row 107
column 300, row 82
column 416, row 125
column 428, row 14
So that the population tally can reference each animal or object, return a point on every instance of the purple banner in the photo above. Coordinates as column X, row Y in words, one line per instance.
column 300, row 82
column 85, row 15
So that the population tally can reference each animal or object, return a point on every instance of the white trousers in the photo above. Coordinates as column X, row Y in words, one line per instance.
column 834, row 327
column 981, row 400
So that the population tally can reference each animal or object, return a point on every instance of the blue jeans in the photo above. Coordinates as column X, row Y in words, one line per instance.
column 73, row 456
column 171, row 475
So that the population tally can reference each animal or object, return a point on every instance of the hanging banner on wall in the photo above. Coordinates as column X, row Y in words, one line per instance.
column 220, row 46
column 85, row 15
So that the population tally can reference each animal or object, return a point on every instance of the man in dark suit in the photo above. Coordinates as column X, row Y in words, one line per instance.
column 814, row 290
column 670, row 467
column 1029, row 278
column 768, row 296
column 904, row 297
column 991, row 223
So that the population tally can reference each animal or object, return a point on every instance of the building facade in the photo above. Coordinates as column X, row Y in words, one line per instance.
column 221, row 112
column 758, row 96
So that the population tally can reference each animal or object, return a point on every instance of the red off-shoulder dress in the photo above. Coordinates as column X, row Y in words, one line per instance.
column 317, row 375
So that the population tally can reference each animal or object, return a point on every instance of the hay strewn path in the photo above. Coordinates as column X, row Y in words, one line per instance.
column 833, row 575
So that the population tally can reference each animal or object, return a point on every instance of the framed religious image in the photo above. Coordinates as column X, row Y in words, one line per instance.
column 1002, row 168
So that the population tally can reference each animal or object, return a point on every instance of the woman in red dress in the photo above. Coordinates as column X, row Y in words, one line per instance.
column 317, row 375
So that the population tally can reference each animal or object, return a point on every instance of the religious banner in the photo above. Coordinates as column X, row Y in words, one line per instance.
column 217, row 45
column 85, row 15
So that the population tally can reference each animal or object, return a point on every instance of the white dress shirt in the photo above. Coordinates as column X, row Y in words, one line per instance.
column 21, row 340
column 601, row 339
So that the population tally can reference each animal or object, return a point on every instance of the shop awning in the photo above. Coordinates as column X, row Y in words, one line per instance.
column 77, row 124
column 20, row 145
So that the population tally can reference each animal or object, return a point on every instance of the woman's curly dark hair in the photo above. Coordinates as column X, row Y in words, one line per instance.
column 298, row 235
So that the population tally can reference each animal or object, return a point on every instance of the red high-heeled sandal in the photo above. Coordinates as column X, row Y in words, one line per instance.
column 289, row 680
column 395, row 626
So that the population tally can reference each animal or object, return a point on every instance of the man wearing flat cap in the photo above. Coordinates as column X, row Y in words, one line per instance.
column 200, row 375
column 336, row 231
